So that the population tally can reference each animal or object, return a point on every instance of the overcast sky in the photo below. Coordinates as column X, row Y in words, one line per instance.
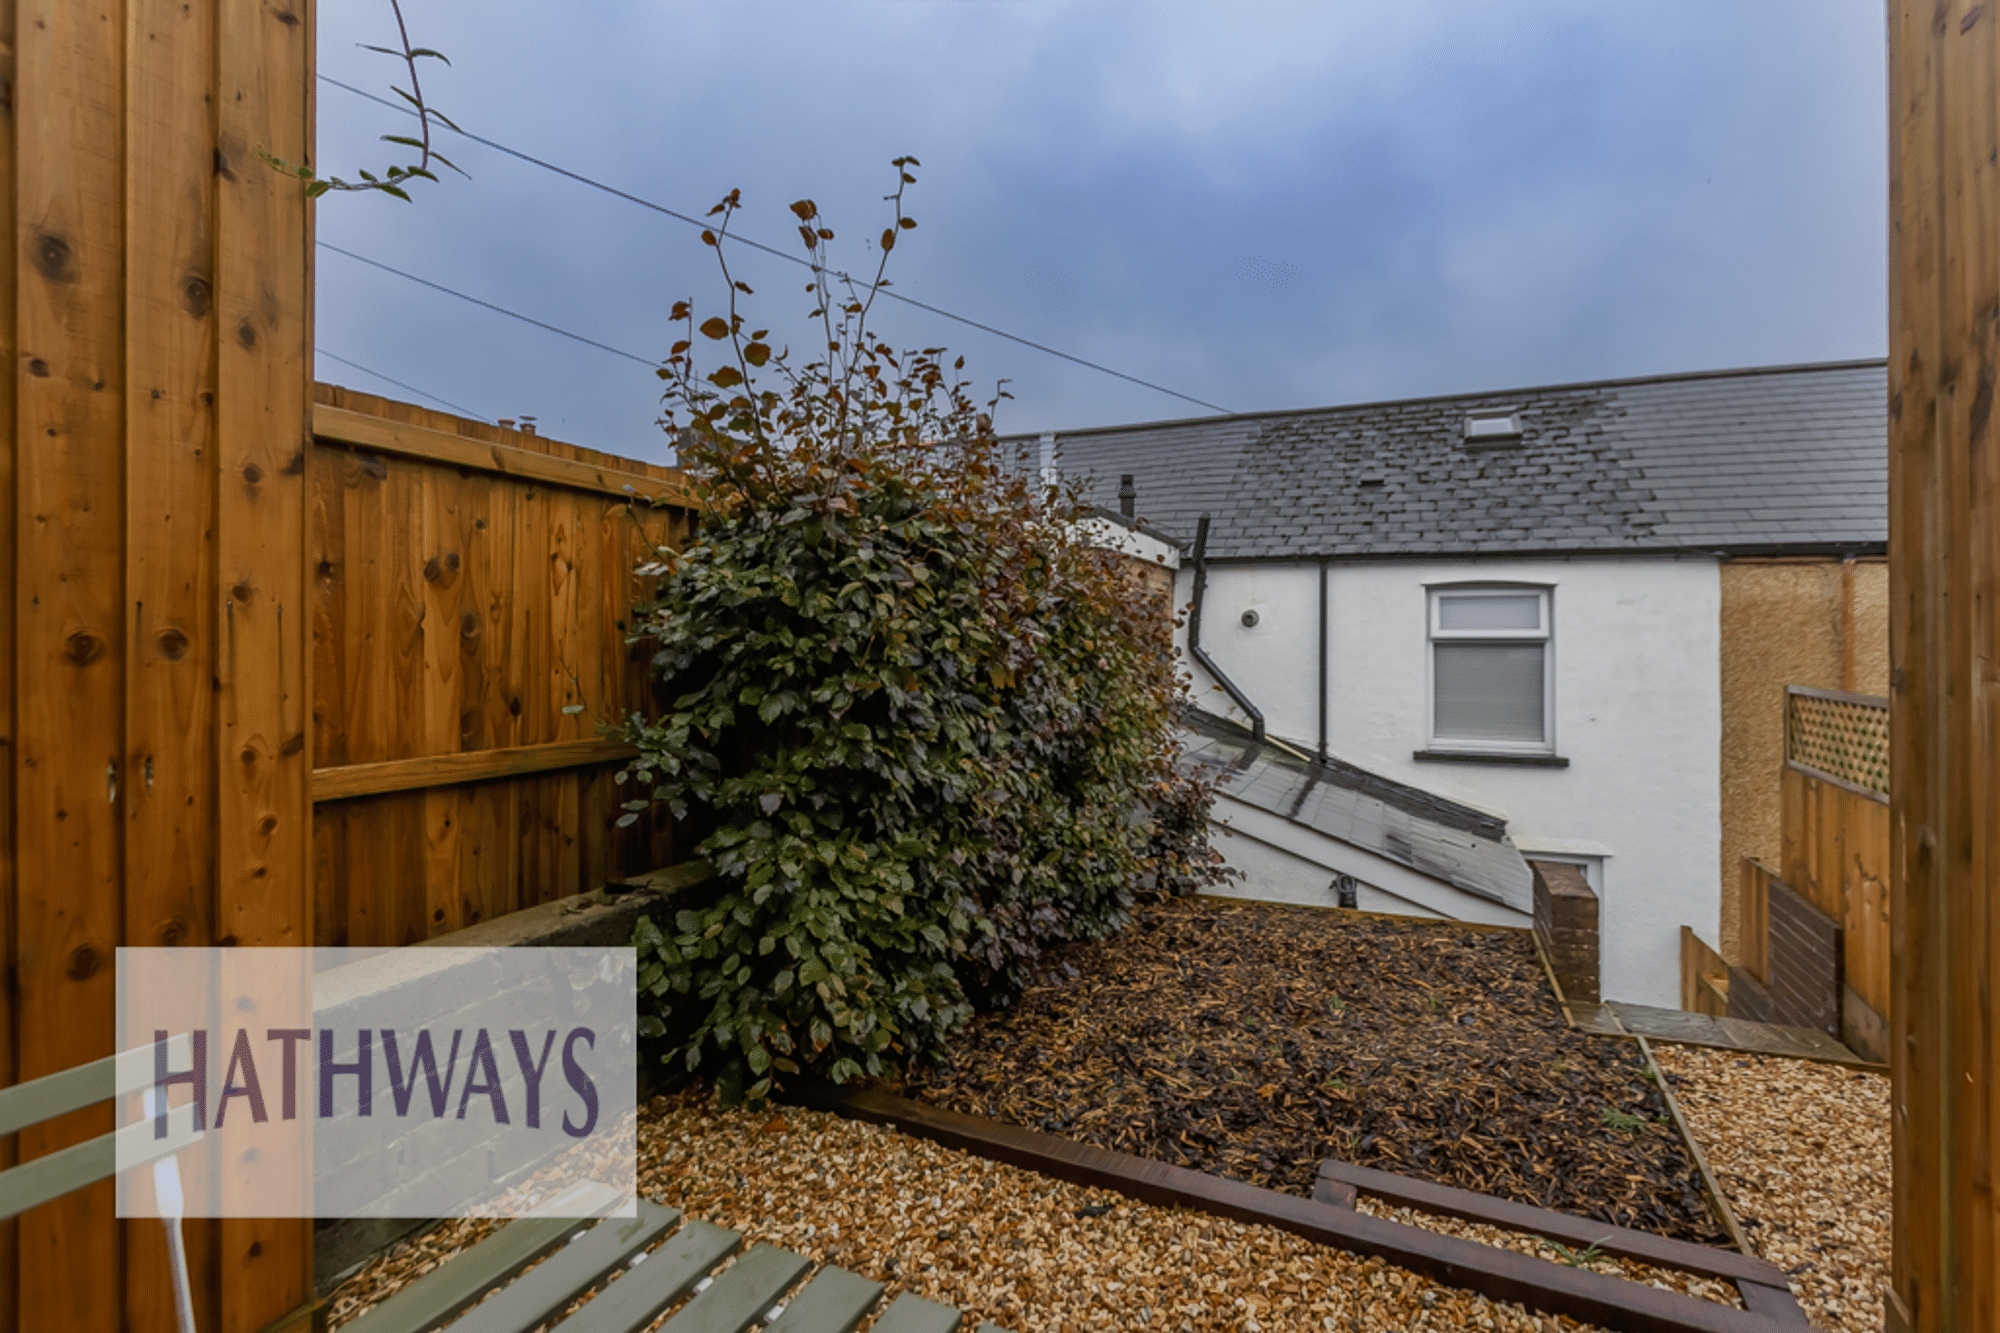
column 1254, row 203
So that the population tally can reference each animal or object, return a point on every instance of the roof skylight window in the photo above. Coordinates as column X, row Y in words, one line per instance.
column 1492, row 429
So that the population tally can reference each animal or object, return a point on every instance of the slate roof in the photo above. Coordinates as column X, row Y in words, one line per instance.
column 1783, row 460
column 1454, row 843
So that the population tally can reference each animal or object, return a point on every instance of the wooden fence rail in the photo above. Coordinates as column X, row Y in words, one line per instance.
column 471, row 585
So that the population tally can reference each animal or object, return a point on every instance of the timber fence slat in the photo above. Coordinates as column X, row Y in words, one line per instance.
column 10, row 281
column 343, row 426
column 70, row 612
column 170, row 556
column 441, row 770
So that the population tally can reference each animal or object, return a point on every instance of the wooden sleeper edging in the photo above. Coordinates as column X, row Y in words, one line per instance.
column 1497, row 1274
column 1764, row 1286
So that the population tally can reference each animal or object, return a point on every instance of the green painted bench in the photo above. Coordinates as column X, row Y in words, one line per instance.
column 52, row 1175
column 639, row 1268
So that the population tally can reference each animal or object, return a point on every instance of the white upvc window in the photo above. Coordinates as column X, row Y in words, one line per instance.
column 1491, row 670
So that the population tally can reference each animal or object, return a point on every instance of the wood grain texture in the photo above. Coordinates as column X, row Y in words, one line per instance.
column 409, row 440
column 1944, row 340
column 10, row 1309
column 170, row 325
column 1753, row 931
column 69, row 609
column 1703, row 973
column 1837, row 855
column 263, row 455
column 459, row 611
column 446, row 770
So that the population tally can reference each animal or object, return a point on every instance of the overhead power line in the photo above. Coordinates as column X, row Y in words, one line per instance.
column 488, row 305
column 786, row 255
column 411, row 388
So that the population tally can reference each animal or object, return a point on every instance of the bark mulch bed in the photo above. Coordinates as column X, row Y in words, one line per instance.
column 1250, row 1040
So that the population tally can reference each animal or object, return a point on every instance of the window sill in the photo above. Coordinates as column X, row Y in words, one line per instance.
column 1489, row 757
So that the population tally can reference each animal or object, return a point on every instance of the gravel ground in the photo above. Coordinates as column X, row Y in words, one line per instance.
column 1253, row 1040
column 1033, row 1254
column 1802, row 1151
column 1667, row 1279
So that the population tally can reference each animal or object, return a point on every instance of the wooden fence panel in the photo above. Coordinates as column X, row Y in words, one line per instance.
column 205, row 606
column 154, row 631
column 1865, row 899
column 1704, row 976
column 1944, row 538
column 1753, row 929
column 1837, row 856
column 466, row 600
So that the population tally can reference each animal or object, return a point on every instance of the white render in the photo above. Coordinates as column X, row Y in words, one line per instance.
column 1637, row 712
column 1138, row 544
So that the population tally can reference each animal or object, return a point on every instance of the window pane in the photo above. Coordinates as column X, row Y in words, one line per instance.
column 1489, row 691
column 1512, row 610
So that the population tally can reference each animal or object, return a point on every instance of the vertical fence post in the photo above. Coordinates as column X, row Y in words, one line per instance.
column 1944, row 485
column 154, row 639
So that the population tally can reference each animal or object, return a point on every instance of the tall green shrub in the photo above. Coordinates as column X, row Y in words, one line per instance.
column 921, row 721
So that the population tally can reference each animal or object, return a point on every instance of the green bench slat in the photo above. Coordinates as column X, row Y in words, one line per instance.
column 67, row 1090
column 740, row 1296
column 465, row 1277
column 32, row 1184
column 669, row 1273
column 833, row 1302
column 568, row 1273
column 914, row 1314
column 52, row 1175
column 57, row 1094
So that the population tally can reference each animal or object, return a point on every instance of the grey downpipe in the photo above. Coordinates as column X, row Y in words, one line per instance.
column 1322, row 663
column 1195, row 651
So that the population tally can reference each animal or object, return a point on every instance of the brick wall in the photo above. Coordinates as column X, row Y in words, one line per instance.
column 1566, row 924
column 1806, row 975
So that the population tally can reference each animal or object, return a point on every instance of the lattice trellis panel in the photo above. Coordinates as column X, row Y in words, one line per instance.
column 1842, row 735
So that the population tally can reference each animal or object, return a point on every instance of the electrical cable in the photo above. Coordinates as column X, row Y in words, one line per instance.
column 488, row 305
column 411, row 388
column 582, row 179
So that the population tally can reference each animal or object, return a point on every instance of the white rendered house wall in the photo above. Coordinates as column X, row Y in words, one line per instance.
column 1635, row 665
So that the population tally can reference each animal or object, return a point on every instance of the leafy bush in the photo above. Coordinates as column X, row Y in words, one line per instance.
column 919, row 719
